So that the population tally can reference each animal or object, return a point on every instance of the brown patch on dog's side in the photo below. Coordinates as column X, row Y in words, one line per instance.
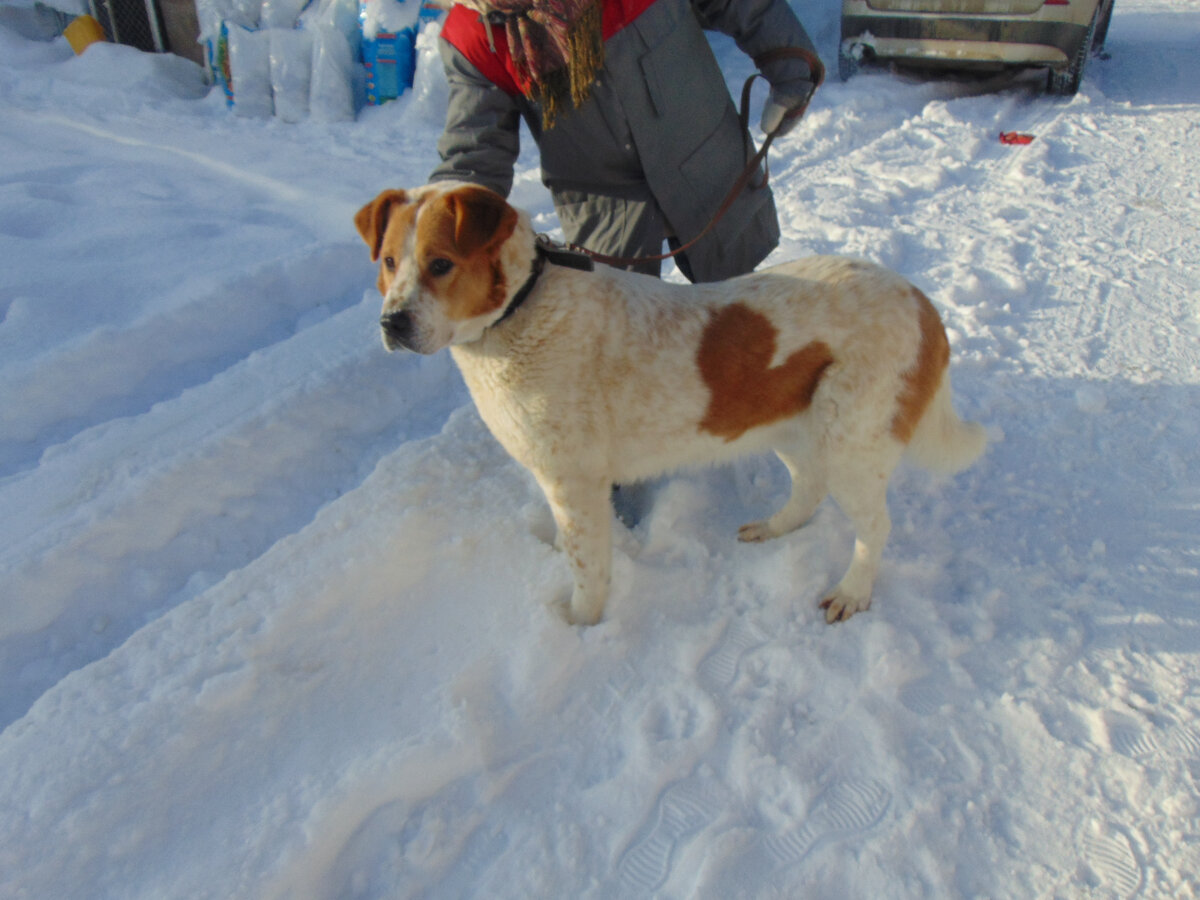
column 467, row 227
column 922, row 380
column 746, row 392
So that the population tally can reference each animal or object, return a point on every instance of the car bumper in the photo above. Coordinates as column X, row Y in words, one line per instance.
column 965, row 39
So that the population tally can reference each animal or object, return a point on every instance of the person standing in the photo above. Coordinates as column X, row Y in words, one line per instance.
column 639, row 139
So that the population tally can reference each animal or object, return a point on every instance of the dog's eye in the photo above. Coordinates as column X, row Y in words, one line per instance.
column 389, row 263
column 440, row 266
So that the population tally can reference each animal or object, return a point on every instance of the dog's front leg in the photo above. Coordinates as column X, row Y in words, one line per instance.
column 583, row 512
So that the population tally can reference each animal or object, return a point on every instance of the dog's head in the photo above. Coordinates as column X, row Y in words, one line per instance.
column 451, row 256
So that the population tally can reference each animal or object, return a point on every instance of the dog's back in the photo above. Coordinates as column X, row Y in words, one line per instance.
column 651, row 376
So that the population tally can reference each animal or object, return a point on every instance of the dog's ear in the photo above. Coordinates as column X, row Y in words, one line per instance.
column 372, row 219
column 482, row 218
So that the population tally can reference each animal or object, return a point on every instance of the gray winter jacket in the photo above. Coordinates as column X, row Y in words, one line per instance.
column 659, row 133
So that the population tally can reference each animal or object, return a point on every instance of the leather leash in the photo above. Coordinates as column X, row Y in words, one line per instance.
column 817, row 72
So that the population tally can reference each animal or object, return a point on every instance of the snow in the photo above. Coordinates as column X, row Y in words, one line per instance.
column 278, row 616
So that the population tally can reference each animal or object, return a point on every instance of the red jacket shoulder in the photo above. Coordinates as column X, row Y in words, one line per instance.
column 465, row 31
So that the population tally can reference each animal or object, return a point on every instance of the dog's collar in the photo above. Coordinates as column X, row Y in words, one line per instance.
column 546, row 251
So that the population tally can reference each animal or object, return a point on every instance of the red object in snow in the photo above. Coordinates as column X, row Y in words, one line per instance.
column 1015, row 137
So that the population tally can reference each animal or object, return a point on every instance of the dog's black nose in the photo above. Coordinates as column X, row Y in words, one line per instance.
column 397, row 328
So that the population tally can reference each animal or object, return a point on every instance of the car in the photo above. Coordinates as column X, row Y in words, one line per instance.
column 1059, row 35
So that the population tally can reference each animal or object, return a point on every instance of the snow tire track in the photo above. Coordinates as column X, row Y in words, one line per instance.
column 300, row 419
column 111, row 374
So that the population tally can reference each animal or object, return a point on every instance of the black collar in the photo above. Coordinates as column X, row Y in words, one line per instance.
column 545, row 251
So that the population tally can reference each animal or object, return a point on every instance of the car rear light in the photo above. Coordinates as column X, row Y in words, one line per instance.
column 1057, row 3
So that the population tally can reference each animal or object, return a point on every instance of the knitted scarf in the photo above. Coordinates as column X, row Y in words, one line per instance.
column 556, row 45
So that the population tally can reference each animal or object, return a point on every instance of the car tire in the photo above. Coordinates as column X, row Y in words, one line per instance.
column 1101, row 34
column 1065, row 82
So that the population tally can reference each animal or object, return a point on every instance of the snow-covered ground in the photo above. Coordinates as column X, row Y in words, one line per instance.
column 277, row 615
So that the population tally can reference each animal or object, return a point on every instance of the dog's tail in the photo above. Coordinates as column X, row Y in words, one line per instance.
column 942, row 441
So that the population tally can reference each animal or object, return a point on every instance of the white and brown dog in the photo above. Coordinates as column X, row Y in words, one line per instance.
column 591, row 379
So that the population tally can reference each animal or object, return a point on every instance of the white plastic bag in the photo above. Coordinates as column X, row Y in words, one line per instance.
column 291, row 72
column 250, row 70
column 281, row 13
column 211, row 13
column 331, row 97
column 341, row 15
column 430, row 91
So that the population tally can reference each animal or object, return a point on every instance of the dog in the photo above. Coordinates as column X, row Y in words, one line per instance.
column 596, row 378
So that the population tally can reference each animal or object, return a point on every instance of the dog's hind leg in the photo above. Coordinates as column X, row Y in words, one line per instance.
column 861, row 493
column 808, row 490
column 583, row 512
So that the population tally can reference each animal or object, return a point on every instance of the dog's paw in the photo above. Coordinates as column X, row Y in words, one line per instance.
column 583, row 619
column 756, row 532
column 582, row 612
column 562, row 609
column 840, row 606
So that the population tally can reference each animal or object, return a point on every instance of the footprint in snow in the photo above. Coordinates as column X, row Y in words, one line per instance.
column 846, row 807
column 1110, row 855
column 925, row 696
column 719, row 666
column 683, row 809
column 1131, row 738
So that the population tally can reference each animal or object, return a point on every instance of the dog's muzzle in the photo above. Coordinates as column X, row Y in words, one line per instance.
column 397, row 330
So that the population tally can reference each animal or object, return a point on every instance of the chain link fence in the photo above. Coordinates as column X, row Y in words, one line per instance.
column 137, row 23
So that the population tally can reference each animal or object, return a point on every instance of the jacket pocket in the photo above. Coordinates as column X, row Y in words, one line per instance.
column 719, row 158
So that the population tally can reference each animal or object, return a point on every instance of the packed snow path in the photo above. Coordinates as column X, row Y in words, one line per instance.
column 278, row 616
